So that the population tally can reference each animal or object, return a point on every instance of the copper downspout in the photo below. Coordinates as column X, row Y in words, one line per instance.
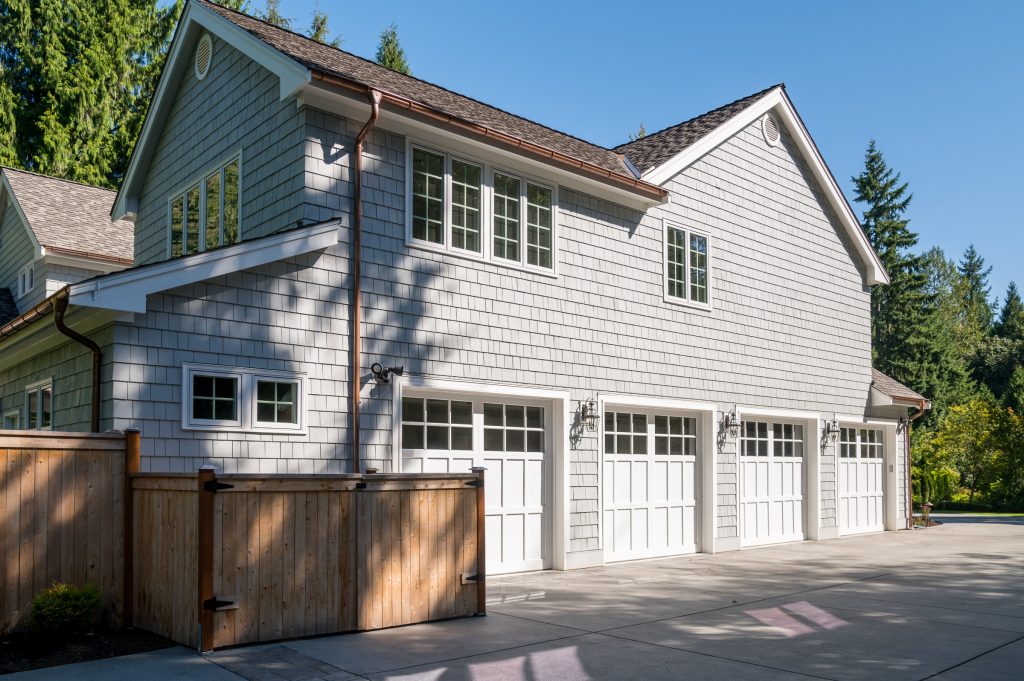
column 357, row 274
column 639, row 186
column 60, row 306
column 906, row 451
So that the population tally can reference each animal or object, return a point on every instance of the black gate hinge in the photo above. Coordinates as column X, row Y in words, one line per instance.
column 218, row 604
column 475, row 483
column 360, row 485
column 216, row 486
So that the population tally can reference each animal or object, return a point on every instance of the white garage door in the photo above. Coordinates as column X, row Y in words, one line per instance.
column 650, row 474
column 861, row 472
column 511, row 439
column 771, row 482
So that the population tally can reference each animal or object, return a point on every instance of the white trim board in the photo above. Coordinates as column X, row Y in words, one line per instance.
column 292, row 76
column 778, row 102
column 126, row 291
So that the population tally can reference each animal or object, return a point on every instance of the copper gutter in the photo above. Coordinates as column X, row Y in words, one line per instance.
column 357, row 280
column 637, row 186
column 60, row 307
column 20, row 322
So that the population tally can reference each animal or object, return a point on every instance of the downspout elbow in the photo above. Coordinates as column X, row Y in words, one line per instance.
column 60, row 307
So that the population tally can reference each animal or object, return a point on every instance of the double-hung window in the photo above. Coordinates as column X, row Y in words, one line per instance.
column 39, row 405
column 242, row 399
column 206, row 214
column 26, row 280
column 687, row 266
column 471, row 209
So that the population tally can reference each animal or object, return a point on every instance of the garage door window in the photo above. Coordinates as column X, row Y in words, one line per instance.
column 675, row 435
column 436, row 424
column 755, row 438
column 513, row 428
column 788, row 439
column 860, row 443
column 625, row 433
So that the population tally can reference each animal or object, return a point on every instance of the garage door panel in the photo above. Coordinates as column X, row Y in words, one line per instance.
column 772, row 482
column 661, row 473
column 861, row 480
column 512, row 483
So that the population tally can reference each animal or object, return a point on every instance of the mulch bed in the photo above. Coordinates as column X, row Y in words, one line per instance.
column 22, row 651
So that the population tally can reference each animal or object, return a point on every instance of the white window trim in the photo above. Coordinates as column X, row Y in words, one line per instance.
column 26, row 279
column 35, row 389
column 16, row 413
column 246, row 400
column 685, row 302
column 486, row 212
column 199, row 180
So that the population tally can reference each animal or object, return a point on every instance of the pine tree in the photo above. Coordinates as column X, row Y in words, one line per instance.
column 272, row 15
column 976, row 291
column 640, row 133
column 390, row 52
column 76, row 77
column 1014, row 397
column 1011, row 319
column 319, row 31
column 900, row 311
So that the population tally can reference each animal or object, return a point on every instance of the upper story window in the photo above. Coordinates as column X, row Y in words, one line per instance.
column 39, row 405
column 206, row 214
column 242, row 399
column 469, row 208
column 687, row 266
column 26, row 280
column 12, row 419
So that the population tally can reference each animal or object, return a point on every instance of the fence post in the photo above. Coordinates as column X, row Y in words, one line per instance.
column 132, row 465
column 204, row 556
column 481, row 548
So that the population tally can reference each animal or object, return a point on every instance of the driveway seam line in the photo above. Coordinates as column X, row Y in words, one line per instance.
column 972, row 659
column 921, row 605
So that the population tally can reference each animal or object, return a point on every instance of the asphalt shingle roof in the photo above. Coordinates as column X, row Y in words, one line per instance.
column 320, row 57
column 73, row 217
column 8, row 308
column 893, row 388
column 656, row 148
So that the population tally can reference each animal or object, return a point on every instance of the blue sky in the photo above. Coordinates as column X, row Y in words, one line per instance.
column 939, row 85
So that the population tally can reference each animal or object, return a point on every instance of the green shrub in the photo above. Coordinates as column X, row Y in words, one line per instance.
column 65, row 608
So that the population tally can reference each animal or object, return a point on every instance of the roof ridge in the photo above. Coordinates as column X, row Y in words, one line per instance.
column 59, row 179
column 405, row 75
column 709, row 112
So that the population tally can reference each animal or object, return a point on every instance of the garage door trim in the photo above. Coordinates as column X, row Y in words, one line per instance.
column 893, row 490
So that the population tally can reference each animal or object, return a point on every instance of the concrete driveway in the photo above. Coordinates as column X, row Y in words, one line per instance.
column 944, row 603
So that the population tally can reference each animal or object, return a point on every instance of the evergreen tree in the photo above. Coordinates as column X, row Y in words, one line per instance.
column 1014, row 397
column 319, row 31
column 640, row 133
column 76, row 77
column 976, row 291
column 390, row 52
column 1011, row 319
column 900, row 311
column 272, row 15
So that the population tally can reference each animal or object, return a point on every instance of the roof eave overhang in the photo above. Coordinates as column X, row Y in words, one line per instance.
column 778, row 102
column 410, row 118
column 127, row 291
column 881, row 399
column 195, row 19
column 71, row 257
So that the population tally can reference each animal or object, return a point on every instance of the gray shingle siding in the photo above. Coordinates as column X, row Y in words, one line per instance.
column 15, row 252
column 236, row 107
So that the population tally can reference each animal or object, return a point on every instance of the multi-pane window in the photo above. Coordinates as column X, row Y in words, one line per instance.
column 205, row 215
column 26, row 279
column 861, row 443
column 513, row 428
column 675, row 435
column 687, row 265
column 12, row 419
column 625, row 433
column 437, row 424
column 467, row 207
column 39, row 406
column 277, row 402
column 506, row 217
column 427, row 196
column 780, row 440
column 214, row 398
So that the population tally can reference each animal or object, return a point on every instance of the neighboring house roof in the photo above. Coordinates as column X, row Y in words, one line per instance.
column 656, row 148
column 8, row 308
column 894, row 390
column 70, row 218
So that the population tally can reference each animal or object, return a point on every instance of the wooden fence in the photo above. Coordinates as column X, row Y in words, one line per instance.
column 238, row 559
column 62, row 516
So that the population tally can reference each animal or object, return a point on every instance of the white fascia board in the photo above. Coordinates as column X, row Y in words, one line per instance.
column 356, row 108
column 292, row 76
column 778, row 103
column 126, row 291
column 83, row 262
column 879, row 399
column 37, row 249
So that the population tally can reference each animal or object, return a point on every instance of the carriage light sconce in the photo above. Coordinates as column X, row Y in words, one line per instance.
column 588, row 414
column 832, row 431
column 382, row 375
column 731, row 423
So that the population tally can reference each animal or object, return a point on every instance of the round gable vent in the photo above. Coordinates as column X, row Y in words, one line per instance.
column 770, row 129
column 204, row 55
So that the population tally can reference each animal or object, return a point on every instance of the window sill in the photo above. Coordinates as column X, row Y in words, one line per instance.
column 679, row 302
column 477, row 257
column 232, row 428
